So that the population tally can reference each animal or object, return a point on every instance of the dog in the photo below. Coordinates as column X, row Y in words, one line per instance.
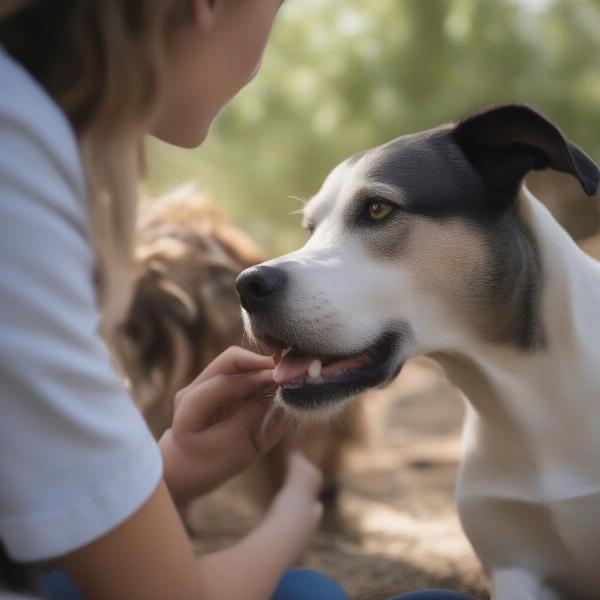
column 431, row 245
column 185, row 311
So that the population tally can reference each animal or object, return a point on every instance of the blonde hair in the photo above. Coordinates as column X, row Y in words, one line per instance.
column 103, row 62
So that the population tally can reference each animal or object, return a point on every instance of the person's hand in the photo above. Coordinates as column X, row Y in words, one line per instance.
column 217, row 424
column 275, row 544
column 297, row 508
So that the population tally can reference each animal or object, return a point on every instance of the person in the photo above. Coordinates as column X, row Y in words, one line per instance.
column 87, row 494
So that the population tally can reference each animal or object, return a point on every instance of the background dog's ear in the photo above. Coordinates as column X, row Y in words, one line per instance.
column 158, row 305
column 506, row 142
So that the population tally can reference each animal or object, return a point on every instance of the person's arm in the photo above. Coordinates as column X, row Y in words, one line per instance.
column 149, row 557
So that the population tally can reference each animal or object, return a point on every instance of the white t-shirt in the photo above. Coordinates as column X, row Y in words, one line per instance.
column 76, row 457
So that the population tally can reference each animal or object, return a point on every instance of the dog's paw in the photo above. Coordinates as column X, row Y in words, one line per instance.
column 514, row 583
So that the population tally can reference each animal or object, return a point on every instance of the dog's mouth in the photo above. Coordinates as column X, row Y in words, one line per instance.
column 311, row 381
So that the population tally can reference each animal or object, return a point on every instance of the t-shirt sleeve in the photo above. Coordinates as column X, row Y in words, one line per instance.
column 76, row 457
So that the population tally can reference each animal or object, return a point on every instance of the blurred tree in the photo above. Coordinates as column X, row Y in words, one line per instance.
column 343, row 75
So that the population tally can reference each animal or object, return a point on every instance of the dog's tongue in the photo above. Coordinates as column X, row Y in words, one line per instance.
column 290, row 367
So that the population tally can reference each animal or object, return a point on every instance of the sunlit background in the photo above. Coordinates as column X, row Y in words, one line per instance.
column 343, row 75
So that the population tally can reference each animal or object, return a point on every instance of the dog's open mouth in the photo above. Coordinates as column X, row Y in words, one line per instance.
column 310, row 381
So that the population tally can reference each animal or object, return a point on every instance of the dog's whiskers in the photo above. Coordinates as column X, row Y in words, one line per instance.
column 275, row 412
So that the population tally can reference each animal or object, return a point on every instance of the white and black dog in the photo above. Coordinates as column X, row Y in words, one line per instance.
column 431, row 245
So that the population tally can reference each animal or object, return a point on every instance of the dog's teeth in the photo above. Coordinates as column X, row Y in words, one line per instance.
column 314, row 370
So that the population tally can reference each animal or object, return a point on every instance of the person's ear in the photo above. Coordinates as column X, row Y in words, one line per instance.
column 204, row 13
column 504, row 143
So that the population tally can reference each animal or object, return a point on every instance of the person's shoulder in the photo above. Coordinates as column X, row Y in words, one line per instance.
column 33, row 128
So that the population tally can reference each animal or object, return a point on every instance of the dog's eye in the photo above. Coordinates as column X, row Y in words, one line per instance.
column 378, row 210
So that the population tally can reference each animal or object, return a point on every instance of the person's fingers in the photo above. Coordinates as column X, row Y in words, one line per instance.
column 243, row 431
column 234, row 360
column 302, row 475
column 202, row 406
column 300, row 494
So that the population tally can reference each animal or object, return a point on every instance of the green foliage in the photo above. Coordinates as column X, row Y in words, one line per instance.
column 343, row 75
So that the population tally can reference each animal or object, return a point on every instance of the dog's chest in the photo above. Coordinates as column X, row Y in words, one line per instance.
column 559, row 540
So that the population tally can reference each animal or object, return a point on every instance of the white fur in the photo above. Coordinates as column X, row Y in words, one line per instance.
column 529, row 488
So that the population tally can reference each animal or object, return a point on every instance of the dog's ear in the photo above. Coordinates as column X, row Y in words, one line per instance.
column 506, row 142
column 157, row 304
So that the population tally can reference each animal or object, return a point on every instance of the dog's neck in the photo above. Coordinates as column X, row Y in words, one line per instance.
column 535, row 413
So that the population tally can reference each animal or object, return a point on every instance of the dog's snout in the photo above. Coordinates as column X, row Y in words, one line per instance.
column 258, row 286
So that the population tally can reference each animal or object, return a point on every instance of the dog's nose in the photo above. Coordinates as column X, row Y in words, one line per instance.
column 258, row 286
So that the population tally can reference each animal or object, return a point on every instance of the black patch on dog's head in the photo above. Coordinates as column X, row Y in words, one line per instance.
column 432, row 174
column 475, row 169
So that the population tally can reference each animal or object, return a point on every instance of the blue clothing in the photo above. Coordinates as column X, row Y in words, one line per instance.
column 55, row 585
column 303, row 584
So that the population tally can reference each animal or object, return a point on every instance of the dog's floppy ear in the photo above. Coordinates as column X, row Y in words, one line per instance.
column 504, row 143
column 157, row 305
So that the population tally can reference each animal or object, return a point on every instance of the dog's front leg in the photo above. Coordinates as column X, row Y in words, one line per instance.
column 512, row 583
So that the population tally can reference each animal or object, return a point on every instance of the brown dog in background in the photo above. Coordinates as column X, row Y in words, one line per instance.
column 185, row 311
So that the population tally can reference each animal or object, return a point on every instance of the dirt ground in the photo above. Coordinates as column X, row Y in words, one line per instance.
column 397, row 529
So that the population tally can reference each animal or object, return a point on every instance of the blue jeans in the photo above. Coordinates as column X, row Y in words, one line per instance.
column 296, row 584
column 302, row 584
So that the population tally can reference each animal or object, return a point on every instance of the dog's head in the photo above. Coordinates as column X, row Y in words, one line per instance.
column 414, row 246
